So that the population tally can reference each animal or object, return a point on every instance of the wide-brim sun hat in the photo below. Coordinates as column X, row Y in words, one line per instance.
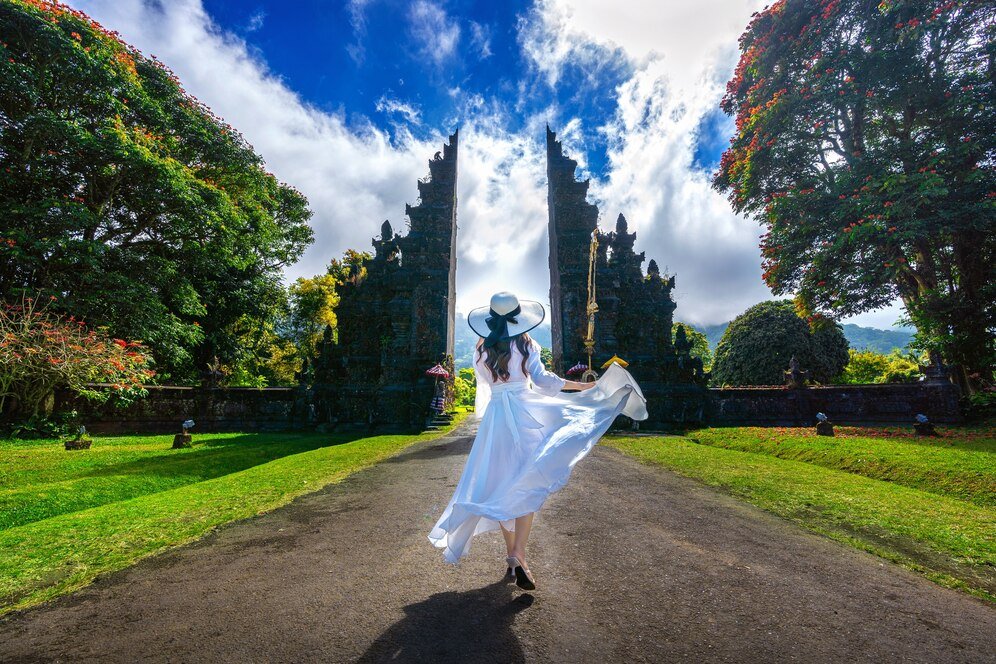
column 506, row 317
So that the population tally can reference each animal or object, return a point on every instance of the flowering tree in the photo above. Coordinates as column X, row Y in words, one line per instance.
column 865, row 143
column 41, row 351
column 129, row 199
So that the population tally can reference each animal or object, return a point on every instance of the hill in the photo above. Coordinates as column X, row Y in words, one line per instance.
column 859, row 337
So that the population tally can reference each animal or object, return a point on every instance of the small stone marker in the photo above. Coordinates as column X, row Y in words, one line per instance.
column 924, row 427
column 80, row 442
column 823, row 425
column 184, row 439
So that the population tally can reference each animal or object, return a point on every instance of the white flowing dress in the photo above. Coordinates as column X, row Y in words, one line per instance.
column 529, row 439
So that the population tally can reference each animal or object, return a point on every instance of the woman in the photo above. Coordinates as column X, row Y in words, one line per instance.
column 530, row 435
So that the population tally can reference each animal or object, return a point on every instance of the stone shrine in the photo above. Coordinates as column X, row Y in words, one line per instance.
column 396, row 315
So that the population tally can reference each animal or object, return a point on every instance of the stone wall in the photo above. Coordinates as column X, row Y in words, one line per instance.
column 282, row 408
column 212, row 409
column 843, row 404
column 690, row 405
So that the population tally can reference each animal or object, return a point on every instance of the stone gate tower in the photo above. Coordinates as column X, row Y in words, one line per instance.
column 635, row 310
column 572, row 221
column 396, row 315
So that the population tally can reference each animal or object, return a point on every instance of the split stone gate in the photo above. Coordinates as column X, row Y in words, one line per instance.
column 397, row 312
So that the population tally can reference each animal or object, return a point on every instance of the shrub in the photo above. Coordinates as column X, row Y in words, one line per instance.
column 464, row 387
column 41, row 352
column 756, row 347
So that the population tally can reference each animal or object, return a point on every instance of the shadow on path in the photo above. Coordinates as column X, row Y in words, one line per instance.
column 435, row 451
column 470, row 626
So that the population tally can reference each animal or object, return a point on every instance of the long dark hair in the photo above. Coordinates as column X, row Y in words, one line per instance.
column 496, row 358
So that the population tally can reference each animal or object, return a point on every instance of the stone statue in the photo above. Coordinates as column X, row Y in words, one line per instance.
column 795, row 377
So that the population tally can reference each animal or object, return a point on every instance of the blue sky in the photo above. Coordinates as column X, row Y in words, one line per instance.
column 376, row 61
column 348, row 100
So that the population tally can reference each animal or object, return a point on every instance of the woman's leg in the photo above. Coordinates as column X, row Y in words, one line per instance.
column 509, row 539
column 522, row 526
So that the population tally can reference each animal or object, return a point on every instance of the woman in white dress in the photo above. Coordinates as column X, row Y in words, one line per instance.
column 530, row 434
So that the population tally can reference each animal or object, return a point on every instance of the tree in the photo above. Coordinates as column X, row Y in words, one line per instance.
column 864, row 143
column 312, row 308
column 129, row 199
column 829, row 350
column 758, row 344
column 700, row 344
column 868, row 366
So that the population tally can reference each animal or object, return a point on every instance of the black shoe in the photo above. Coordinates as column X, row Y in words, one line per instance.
column 523, row 578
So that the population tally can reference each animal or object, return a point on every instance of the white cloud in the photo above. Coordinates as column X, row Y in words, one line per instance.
column 256, row 21
column 356, row 178
column 409, row 113
column 480, row 40
column 358, row 20
column 433, row 31
column 352, row 178
column 679, row 68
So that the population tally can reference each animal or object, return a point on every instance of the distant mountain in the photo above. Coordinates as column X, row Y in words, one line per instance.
column 880, row 341
column 713, row 332
column 465, row 339
column 859, row 337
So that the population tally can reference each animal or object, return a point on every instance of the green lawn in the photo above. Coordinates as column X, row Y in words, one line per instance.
column 66, row 517
column 928, row 504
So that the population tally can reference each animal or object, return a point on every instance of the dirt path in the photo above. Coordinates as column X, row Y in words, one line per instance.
column 633, row 564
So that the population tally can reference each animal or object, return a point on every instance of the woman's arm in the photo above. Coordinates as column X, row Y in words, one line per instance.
column 545, row 380
column 575, row 385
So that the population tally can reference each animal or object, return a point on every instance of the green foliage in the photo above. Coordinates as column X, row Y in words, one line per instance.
column 312, row 308
column 829, row 350
column 867, row 366
column 864, row 144
column 546, row 357
column 464, row 387
column 759, row 343
column 700, row 344
column 129, row 199
column 45, row 426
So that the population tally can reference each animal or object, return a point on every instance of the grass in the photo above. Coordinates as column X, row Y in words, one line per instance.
column 925, row 504
column 67, row 517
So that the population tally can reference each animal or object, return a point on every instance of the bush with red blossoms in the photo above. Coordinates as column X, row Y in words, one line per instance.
column 41, row 352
